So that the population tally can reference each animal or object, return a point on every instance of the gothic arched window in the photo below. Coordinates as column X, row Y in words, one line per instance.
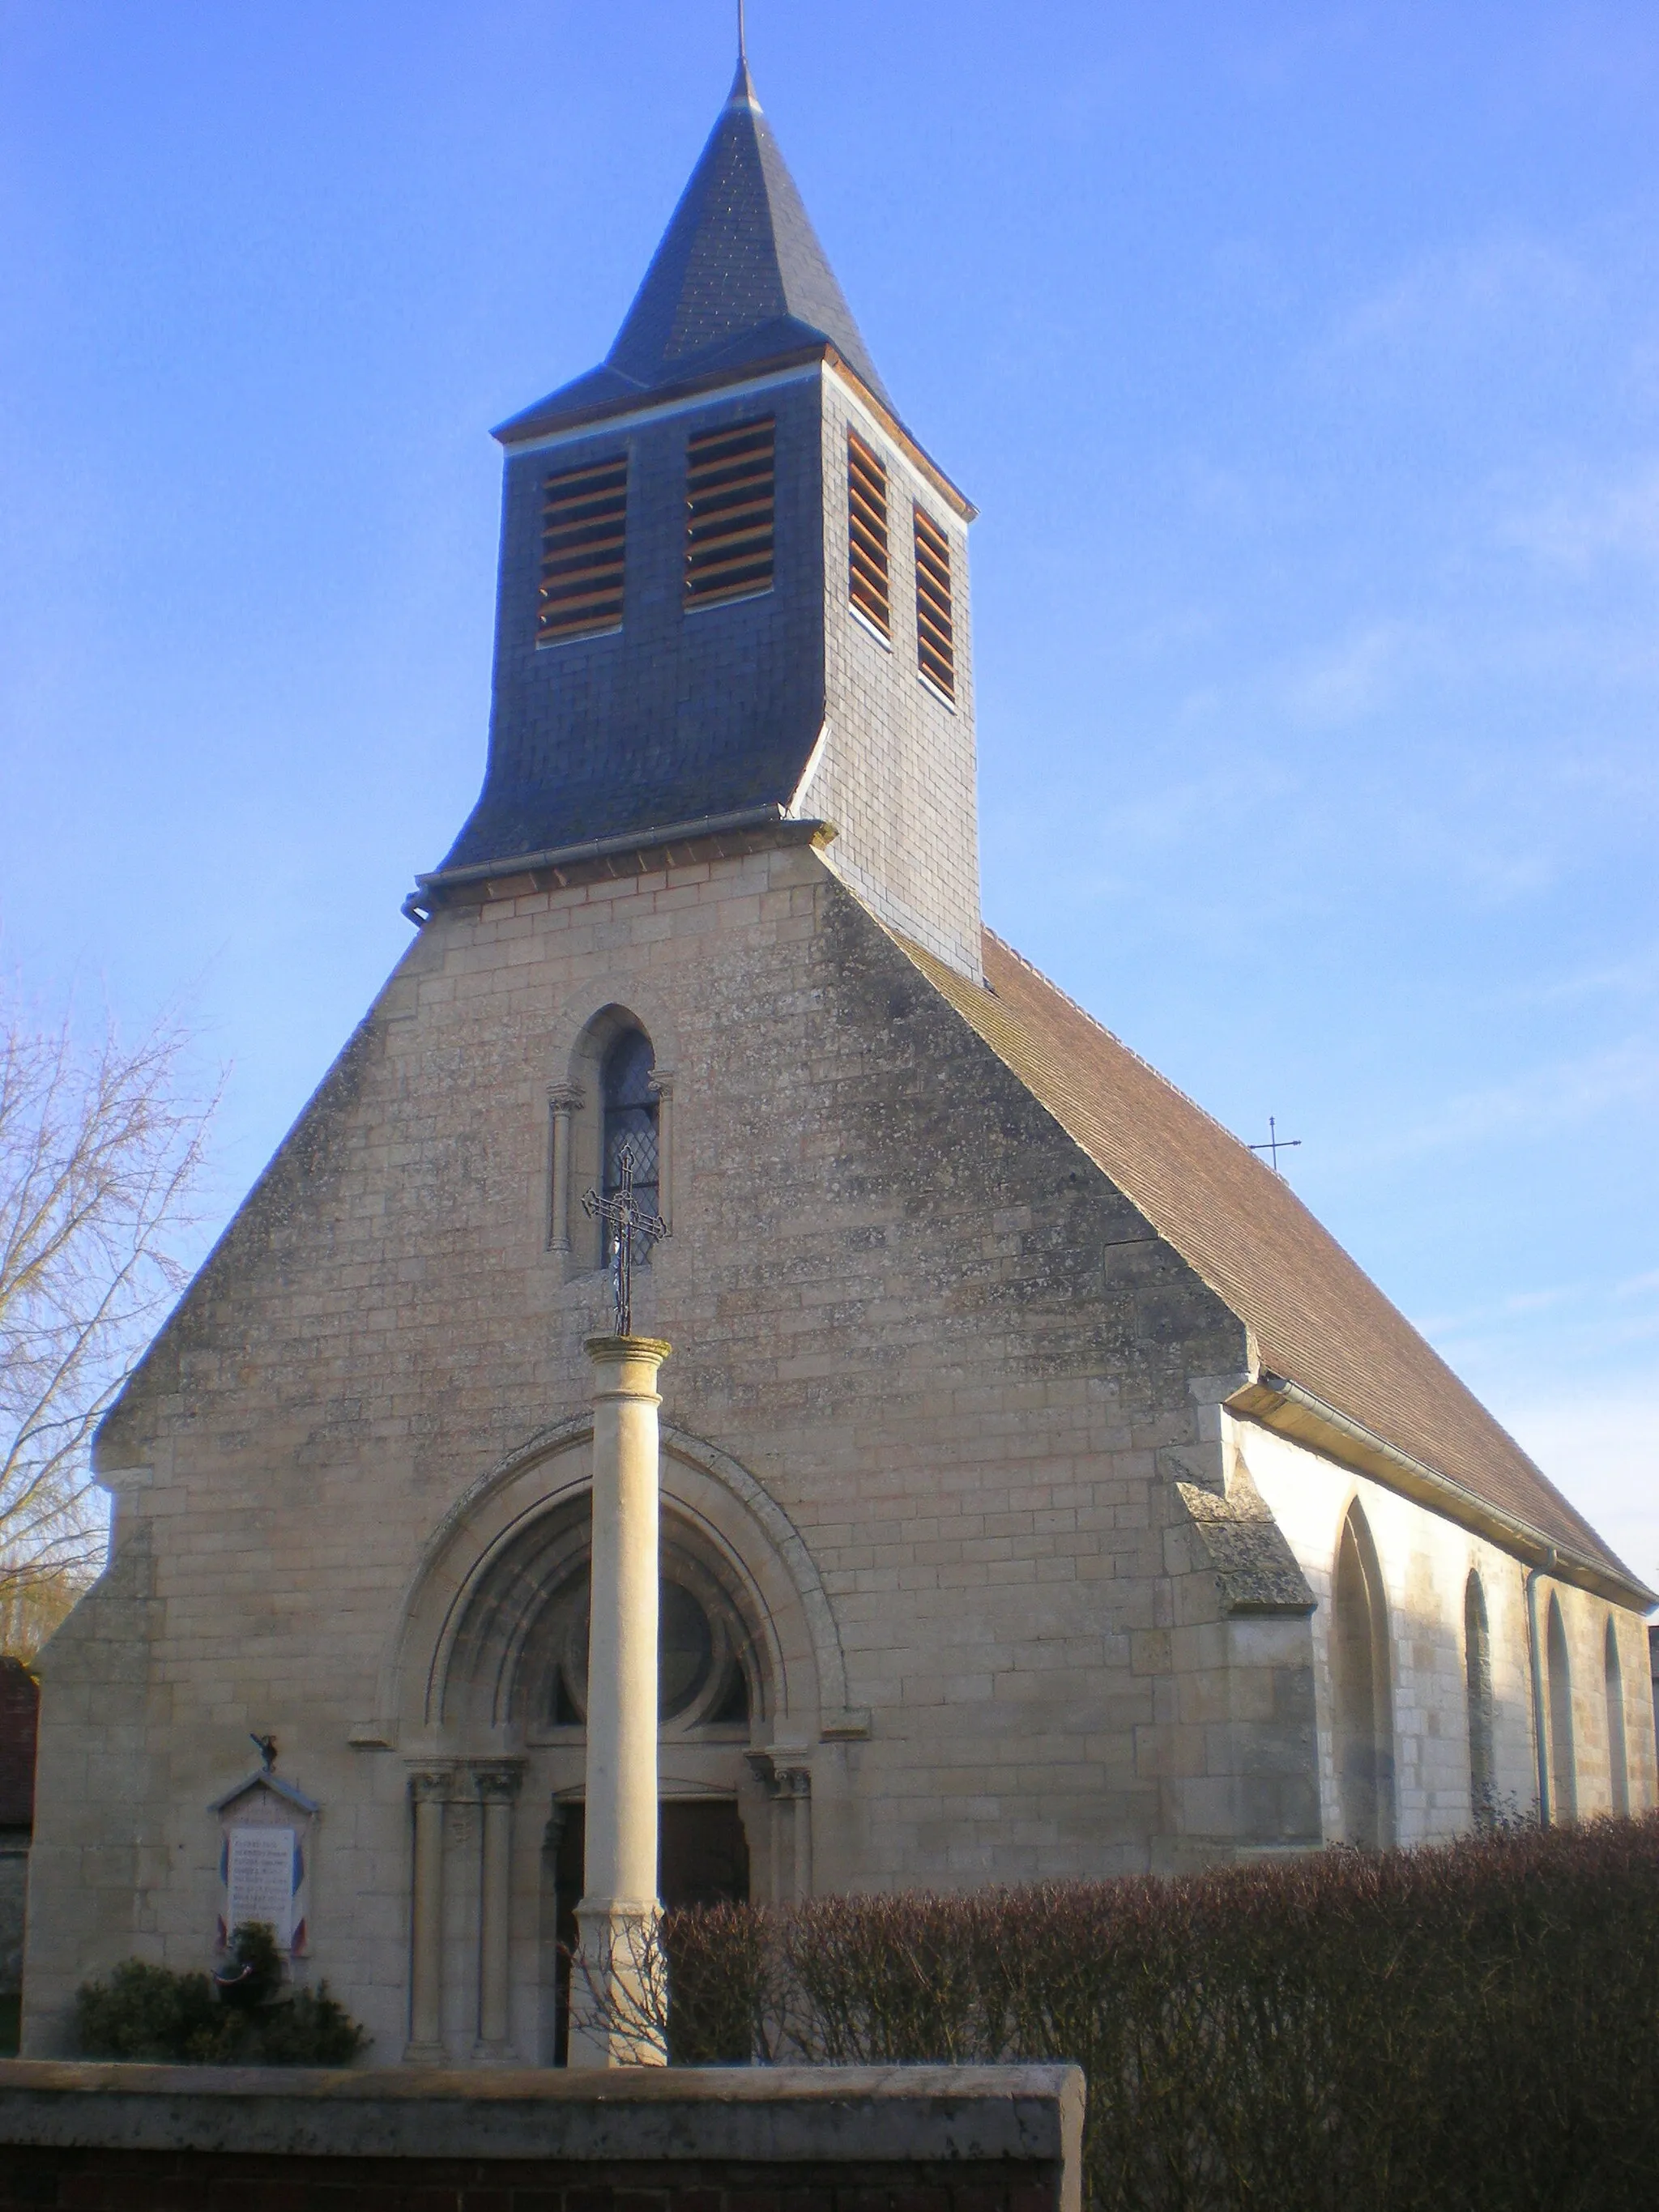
column 1363, row 1696
column 1564, row 1779
column 1477, row 1663
column 631, row 1116
column 1618, row 1754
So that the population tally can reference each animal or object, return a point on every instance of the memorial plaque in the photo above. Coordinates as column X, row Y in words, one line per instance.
column 261, row 1880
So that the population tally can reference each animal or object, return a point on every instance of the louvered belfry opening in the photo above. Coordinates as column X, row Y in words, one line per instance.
column 730, row 480
column 936, row 637
column 584, row 536
column 869, row 577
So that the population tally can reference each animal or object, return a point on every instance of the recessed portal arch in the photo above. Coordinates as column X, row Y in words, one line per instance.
column 484, row 1693
column 519, row 1531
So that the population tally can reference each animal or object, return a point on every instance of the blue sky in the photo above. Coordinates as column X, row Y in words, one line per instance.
column 1303, row 360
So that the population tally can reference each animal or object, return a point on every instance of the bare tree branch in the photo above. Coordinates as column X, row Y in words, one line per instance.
column 101, row 1147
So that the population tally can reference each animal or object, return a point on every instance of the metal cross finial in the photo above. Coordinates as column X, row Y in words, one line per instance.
column 267, row 1749
column 743, row 33
column 625, row 1219
column 1276, row 1144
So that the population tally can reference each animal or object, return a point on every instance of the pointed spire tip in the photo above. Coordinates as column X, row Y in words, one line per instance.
column 742, row 93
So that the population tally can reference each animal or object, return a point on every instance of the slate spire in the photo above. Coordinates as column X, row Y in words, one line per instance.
column 739, row 262
column 738, row 279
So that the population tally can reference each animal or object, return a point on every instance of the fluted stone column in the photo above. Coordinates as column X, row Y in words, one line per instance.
column 497, row 1787
column 429, row 1793
column 610, row 2023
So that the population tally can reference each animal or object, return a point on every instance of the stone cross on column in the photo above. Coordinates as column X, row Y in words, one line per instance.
column 613, row 2005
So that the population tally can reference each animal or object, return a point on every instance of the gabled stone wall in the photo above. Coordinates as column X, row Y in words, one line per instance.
column 907, row 1311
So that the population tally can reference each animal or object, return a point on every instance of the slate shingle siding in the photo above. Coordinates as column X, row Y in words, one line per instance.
column 676, row 715
column 898, row 777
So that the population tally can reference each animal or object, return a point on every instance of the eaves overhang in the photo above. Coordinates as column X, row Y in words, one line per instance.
column 1277, row 1403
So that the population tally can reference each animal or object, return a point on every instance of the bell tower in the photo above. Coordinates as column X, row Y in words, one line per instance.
column 733, row 587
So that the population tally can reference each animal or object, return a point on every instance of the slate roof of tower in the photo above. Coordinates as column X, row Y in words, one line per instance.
column 1317, row 1318
column 739, row 279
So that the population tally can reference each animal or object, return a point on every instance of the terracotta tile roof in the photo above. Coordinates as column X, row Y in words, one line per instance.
column 1316, row 1319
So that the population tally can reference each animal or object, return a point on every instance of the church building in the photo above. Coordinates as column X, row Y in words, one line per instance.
column 1044, row 1493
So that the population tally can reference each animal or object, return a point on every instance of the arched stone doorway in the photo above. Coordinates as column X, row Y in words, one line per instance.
column 1362, row 1693
column 488, row 1683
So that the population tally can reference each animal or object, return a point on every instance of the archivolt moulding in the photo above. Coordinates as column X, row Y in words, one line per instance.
column 549, row 1471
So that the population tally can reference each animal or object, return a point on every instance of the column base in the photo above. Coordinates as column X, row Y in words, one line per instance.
column 618, row 1987
column 425, row 2054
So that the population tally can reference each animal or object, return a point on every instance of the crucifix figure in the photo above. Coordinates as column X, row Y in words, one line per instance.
column 624, row 1219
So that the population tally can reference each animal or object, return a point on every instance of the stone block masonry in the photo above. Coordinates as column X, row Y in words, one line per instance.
column 916, row 1329
column 825, row 2139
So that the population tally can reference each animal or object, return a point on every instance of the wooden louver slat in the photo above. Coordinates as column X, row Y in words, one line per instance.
column 730, row 512
column 869, row 576
column 584, row 544
column 936, row 647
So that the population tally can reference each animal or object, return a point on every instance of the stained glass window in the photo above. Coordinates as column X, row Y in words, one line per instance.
column 630, row 1116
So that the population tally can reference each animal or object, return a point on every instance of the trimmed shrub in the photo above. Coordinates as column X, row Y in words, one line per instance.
column 1473, row 2026
column 243, row 2017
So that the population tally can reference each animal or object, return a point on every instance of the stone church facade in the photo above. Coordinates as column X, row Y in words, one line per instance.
column 1044, row 1492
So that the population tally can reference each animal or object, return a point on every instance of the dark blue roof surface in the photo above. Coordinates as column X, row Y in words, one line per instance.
column 739, row 279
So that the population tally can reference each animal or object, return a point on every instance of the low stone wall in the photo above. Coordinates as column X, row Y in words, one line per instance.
column 742, row 2139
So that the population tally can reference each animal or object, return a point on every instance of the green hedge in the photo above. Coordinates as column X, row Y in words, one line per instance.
column 1465, row 2027
column 149, row 2013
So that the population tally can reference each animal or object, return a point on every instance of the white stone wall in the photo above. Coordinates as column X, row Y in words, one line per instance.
column 1425, row 1564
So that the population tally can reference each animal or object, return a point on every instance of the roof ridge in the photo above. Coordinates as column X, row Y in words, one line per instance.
column 1139, row 1059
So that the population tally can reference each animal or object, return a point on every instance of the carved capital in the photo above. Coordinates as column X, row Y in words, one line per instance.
column 779, row 1781
column 431, row 1785
column 497, row 1785
column 565, row 1098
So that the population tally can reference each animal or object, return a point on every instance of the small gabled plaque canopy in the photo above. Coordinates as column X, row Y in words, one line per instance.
column 739, row 280
column 261, row 1779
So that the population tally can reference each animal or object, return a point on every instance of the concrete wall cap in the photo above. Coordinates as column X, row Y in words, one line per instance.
column 1030, row 2114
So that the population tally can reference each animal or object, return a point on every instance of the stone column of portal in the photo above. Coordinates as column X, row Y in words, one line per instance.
column 497, row 1787
column 429, row 1793
column 614, row 1921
